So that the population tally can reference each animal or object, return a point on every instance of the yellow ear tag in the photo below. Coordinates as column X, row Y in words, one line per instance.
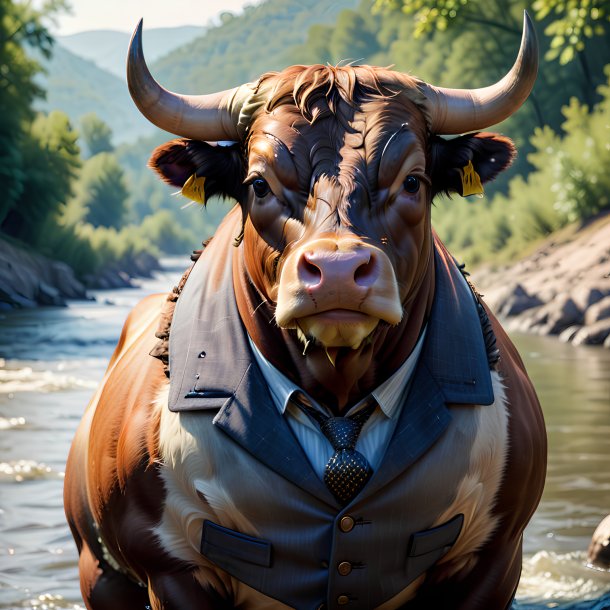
column 471, row 181
column 194, row 189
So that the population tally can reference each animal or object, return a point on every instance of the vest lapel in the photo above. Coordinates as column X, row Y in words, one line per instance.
column 252, row 420
column 452, row 369
column 211, row 368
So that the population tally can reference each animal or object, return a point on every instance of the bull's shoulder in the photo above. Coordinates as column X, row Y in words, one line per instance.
column 525, row 469
column 126, row 413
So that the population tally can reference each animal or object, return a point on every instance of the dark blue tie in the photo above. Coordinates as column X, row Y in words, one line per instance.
column 347, row 470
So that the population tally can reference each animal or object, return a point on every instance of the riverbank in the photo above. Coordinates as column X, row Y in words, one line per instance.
column 28, row 279
column 562, row 288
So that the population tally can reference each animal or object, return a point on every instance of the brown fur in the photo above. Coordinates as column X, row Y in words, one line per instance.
column 335, row 145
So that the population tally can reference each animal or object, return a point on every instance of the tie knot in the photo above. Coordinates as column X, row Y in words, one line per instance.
column 347, row 470
column 342, row 432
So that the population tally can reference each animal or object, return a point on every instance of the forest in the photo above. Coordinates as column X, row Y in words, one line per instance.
column 71, row 193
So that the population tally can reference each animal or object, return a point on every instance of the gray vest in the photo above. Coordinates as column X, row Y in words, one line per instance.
column 305, row 550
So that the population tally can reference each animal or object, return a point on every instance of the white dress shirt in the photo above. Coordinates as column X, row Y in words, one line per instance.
column 376, row 432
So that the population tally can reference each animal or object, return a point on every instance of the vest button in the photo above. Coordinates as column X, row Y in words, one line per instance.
column 346, row 524
column 344, row 568
column 343, row 600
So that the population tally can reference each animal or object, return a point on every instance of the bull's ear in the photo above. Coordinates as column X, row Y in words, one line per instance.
column 221, row 166
column 489, row 154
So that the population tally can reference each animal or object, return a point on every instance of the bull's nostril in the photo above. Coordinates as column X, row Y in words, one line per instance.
column 309, row 273
column 366, row 273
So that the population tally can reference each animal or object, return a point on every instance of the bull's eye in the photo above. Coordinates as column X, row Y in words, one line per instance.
column 411, row 184
column 260, row 187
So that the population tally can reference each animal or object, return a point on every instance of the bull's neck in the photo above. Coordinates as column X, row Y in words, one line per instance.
column 355, row 373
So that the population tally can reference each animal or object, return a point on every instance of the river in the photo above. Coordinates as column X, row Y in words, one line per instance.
column 52, row 359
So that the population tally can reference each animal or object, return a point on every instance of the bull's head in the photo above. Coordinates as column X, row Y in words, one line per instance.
column 335, row 169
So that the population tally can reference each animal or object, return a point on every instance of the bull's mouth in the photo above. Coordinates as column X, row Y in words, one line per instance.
column 337, row 327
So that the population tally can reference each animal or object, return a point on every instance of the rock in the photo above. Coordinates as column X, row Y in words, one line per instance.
column 143, row 264
column 64, row 279
column 568, row 334
column 598, row 554
column 48, row 295
column 14, row 299
column 518, row 301
column 585, row 296
column 29, row 279
column 594, row 334
column 557, row 315
column 18, row 279
column 598, row 311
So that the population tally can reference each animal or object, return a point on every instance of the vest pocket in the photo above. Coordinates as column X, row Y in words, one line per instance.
column 229, row 549
column 428, row 546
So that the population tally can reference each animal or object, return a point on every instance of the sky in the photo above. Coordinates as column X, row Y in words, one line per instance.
column 123, row 14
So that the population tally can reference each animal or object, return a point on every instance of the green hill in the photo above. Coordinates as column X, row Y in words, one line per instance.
column 108, row 48
column 77, row 87
column 243, row 46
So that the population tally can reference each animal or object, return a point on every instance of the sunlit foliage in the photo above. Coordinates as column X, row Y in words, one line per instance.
column 570, row 182
column 95, row 134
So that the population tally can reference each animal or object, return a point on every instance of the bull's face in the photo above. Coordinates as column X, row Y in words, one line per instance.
column 335, row 170
column 338, row 210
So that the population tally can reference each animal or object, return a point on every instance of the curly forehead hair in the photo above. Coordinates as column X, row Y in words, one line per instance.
column 318, row 90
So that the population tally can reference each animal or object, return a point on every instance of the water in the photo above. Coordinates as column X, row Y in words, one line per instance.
column 53, row 359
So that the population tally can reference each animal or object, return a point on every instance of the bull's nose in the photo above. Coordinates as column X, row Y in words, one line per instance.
column 320, row 269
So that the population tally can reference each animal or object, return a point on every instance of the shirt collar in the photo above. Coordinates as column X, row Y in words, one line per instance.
column 389, row 395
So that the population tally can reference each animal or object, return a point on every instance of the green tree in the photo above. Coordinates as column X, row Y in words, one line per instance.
column 351, row 39
column 573, row 22
column 567, row 24
column 569, row 183
column 96, row 135
column 21, row 27
column 50, row 160
column 316, row 47
column 101, row 193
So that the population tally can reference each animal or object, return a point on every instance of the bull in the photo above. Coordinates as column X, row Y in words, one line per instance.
column 345, row 424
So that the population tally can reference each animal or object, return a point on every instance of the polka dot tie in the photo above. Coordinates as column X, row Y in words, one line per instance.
column 347, row 470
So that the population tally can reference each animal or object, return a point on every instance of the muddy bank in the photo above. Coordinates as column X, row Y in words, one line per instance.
column 28, row 279
column 562, row 289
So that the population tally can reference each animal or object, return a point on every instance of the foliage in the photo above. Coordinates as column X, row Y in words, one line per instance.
column 570, row 183
column 574, row 21
column 243, row 47
column 352, row 39
column 440, row 15
column 49, row 160
column 166, row 234
column 569, row 27
column 571, row 21
column 20, row 25
column 115, row 207
column 90, row 250
column 148, row 195
column 96, row 135
column 101, row 193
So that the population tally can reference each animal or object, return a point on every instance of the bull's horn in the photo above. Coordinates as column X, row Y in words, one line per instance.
column 201, row 117
column 455, row 111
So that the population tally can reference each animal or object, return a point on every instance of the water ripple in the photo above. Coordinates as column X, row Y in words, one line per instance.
column 28, row 379
column 27, row 470
column 560, row 577
column 8, row 423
